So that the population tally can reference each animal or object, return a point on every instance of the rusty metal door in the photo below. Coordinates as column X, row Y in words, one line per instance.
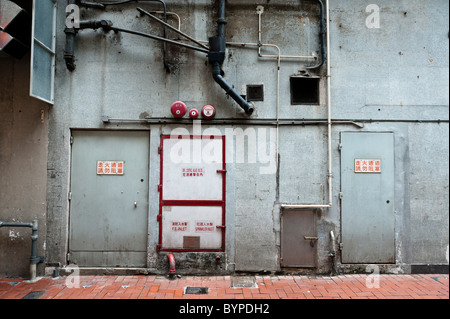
column 298, row 238
column 367, row 197
column 109, row 198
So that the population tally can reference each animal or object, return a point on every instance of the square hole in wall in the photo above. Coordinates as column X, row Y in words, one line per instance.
column 255, row 92
column 304, row 90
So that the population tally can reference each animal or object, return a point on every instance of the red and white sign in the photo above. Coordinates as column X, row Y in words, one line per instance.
column 208, row 112
column 367, row 165
column 204, row 226
column 110, row 167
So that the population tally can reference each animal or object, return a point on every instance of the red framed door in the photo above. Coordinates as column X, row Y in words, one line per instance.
column 192, row 193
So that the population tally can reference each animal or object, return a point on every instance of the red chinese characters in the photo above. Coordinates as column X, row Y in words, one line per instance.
column 110, row 168
column 367, row 165
column 204, row 226
column 192, row 172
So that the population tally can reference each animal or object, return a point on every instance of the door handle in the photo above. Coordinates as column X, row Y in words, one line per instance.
column 135, row 204
column 311, row 240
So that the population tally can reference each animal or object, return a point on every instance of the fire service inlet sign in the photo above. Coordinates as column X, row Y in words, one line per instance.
column 110, row 167
column 367, row 165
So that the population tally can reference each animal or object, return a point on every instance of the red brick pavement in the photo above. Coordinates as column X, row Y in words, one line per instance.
column 220, row 287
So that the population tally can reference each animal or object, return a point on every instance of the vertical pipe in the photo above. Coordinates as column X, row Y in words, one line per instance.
column 69, row 55
column 222, row 21
column 321, row 37
column 34, row 260
column 172, row 270
column 217, row 56
column 330, row 158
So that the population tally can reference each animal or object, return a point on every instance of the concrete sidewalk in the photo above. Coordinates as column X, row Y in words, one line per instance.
column 358, row 286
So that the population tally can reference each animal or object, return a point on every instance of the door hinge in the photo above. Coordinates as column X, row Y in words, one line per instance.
column 158, row 218
column 158, row 247
column 68, row 257
column 340, row 146
column 159, row 187
column 71, row 140
column 70, row 195
column 223, row 171
column 341, row 195
column 160, row 149
column 341, row 245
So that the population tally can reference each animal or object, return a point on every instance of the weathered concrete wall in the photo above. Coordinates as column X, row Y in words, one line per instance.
column 23, row 166
column 387, row 78
column 398, row 73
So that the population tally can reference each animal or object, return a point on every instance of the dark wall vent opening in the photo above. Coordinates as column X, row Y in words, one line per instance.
column 255, row 93
column 304, row 90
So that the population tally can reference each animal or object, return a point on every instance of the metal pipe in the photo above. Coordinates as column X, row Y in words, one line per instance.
column 221, row 21
column 322, row 41
column 69, row 55
column 171, row 13
column 166, row 64
column 229, row 90
column 172, row 270
column 34, row 259
column 330, row 158
column 227, row 121
column 90, row 4
column 159, row 38
column 260, row 11
column 217, row 56
column 71, row 32
column 172, row 28
column 333, row 252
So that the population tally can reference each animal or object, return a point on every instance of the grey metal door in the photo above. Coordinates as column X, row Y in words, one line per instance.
column 109, row 198
column 367, row 205
column 298, row 238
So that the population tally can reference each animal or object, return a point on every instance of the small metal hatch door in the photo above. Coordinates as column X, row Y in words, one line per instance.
column 298, row 238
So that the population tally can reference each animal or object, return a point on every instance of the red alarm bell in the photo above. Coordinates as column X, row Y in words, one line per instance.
column 208, row 112
column 194, row 113
column 178, row 109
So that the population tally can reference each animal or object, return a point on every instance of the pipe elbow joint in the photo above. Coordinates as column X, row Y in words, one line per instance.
column 229, row 90
column 70, row 62
column 249, row 110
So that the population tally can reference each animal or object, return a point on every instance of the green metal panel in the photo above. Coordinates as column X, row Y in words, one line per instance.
column 108, row 213
column 367, row 216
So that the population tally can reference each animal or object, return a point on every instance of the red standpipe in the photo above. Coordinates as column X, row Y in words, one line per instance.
column 172, row 270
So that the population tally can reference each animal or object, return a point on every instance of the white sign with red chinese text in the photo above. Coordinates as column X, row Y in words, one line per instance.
column 110, row 167
column 367, row 165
